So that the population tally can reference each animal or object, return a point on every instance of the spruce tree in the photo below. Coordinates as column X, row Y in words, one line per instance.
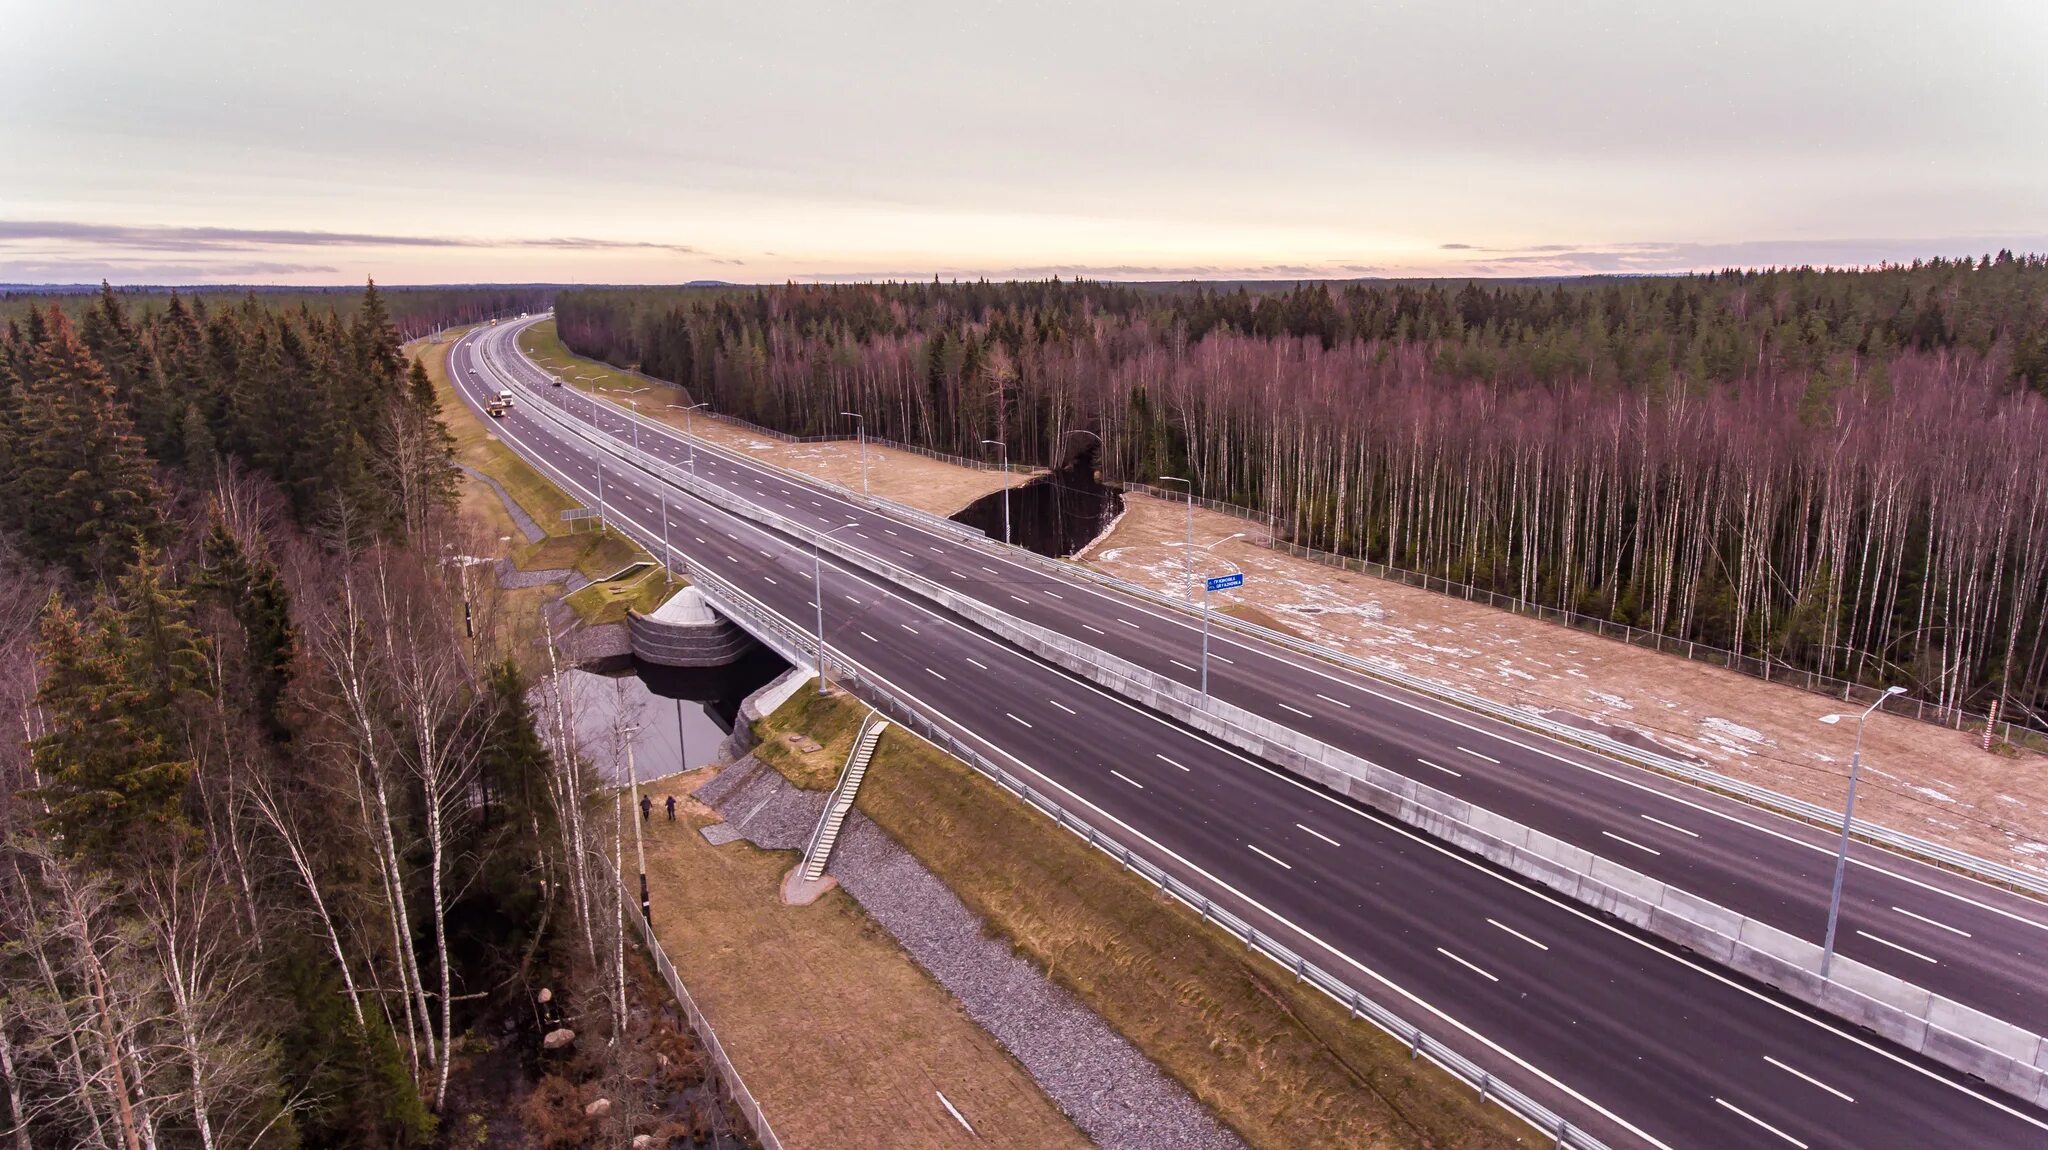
column 246, row 583
column 82, row 489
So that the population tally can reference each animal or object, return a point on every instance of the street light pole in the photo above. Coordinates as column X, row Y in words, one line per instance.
column 863, row 425
column 635, row 405
column 600, row 497
column 818, row 595
column 1827, row 950
column 1191, row 529
column 690, row 429
column 639, row 847
column 666, row 573
column 1006, row 485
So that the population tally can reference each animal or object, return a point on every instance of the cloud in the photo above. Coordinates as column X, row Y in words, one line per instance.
column 1455, row 247
column 148, row 271
column 158, row 238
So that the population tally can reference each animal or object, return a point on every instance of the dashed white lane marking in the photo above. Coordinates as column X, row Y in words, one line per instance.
column 978, row 663
column 1725, row 1104
column 862, row 534
column 766, row 555
column 1517, row 934
column 770, row 580
column 1671, row 826
column 906, row 554
column 955, row 574
column 1097, row 630
column 1631, row 842
column 1931, row 922
column 1171, row 763
column 851, row 599
column 698, row 538
column 1181, row 665
column 1446, row 770
column 1063, row 706
column 1055, row 595
column 1127, row 778
column 1320, row 835
column 1014, row 718
column 1221, row 659
column 1809, row 1078
column 934, row 674
column 936, row 551
column 886, row 531
column 730, row 559
column 1288, row 866
column 908, row 627
column 1468, row 966
column 1897, row 947
column 1298, row 711
column 1131, row 625
column 869, row 638
column 1021, row 599
column 991, row 570
column 1328, row 699
column 1477, row 755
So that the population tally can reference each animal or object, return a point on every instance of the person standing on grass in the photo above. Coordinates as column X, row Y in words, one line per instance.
column 646, row 807
column 671, row 808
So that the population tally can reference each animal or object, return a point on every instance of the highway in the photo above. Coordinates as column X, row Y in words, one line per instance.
column 1624, row 1035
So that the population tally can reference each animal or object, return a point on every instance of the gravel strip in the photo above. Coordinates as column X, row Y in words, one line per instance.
column 1110, row 1089
column 520, row 518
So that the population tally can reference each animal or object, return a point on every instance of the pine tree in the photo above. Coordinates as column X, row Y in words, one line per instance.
column 249, row 587
column 82, row 487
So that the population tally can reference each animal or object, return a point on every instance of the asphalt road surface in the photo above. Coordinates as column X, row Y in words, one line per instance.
column 1624, row 1035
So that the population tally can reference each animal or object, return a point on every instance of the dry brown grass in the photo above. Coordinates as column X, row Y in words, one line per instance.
column 1919, row 778
column 839, row 1034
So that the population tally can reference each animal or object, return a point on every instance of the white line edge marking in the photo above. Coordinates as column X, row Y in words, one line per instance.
column 1127, row 778
column 1671, row 826
column 1760, row 1122
column 1481, row 972
column 1255, row 849
column 1568, row 908
column 1809, row 1078
column 1931, row 922
column 1319, row 834
column 1897, row 947
column 1632, row 842
column 1518, row 934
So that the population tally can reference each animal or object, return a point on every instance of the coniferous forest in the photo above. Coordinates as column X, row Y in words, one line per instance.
column 277, row 834
column 1839, row 471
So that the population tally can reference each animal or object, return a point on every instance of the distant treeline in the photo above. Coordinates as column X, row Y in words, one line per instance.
column 1840, row 470
column 413, row 311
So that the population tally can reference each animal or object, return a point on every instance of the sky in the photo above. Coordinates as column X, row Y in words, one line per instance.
column 257, row 142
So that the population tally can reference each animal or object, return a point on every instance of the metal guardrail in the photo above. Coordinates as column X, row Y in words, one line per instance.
column 728, row 1076
column 1419, row 1042
column 1900, row 841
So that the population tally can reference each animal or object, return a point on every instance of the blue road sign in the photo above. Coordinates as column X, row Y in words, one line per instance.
column 1226, row 582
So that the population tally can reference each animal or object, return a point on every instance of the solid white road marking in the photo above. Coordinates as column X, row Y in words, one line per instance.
column 1631, row 842
column 1320, row 835
column 1298, row 711
column 1809, row 1078
column 1671, row 826
column 1760, row 1122
column 1446, row 770
column 1127, row 778
column 1468, row 966
column 1897, row 947
column 1517, row 934
column 1171, row 763
column 1014, row 718
column 1063, row 706
column 1288, row 866
column 1931, row 922
column 1477, row 755
column 1328, row 699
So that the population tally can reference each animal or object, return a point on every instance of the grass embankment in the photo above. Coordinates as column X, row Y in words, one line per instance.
column 1278, row 1062
column 587, row 552
column 545, row 348
column 839, row 1034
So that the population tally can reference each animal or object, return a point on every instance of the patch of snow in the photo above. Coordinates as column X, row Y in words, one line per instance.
column 2031, row 848
column 1931, row 793
column 1615, row 701
column 2010, row 799
column 1576, row 673
column 1735, row 730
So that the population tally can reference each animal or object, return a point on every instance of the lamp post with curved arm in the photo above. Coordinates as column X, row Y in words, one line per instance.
column 690, row 429
column 1190, row 578
column 861, row 423
column 818, row 594
column 1006, row 485
column 1827, row 950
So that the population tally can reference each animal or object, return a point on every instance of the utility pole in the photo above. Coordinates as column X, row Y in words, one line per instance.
column 1190, row 577
column 1827, row 950
column 863, row 425
column 1006, row 485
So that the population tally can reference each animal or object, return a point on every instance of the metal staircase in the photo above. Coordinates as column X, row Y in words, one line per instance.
column 841, row 802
